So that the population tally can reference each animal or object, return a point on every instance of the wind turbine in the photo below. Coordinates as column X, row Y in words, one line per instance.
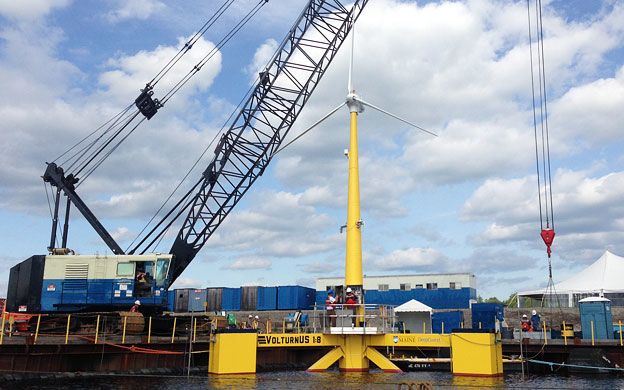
column 354, row 278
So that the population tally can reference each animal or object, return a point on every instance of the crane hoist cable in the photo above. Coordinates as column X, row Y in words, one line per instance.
column 178, row 206
column 542, row 148
column 541, row 137
column 87, row 159
column 190, row 43
column 214, row 51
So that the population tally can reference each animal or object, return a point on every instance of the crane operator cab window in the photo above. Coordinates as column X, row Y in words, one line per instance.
column 162, row 269
column 144, row 279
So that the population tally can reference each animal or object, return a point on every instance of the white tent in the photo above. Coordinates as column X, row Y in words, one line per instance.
column 416, row 316
column 603, row 277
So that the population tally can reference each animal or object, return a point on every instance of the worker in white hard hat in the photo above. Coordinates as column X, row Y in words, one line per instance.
column 525, row 325
column 255, row 322
column 135, row 308
column 351, row 299
column 535, row 321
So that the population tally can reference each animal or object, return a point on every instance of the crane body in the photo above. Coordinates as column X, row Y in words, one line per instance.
column 64, row 282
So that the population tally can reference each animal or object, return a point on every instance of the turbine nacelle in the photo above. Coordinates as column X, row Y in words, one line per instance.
column 354, row 102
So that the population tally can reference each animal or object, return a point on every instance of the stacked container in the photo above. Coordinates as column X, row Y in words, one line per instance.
column 267, row 298
column 249, row 298
column 214, row 299
column 231, row 298
column 450, row 319
column 295, row 298
column 484, row 315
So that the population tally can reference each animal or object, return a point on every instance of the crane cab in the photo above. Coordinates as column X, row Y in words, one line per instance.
column 73, row 283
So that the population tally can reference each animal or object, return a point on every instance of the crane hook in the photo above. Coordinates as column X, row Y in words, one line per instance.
column 548, row 235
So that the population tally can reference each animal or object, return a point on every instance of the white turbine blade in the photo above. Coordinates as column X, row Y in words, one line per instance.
column 310, row 128
column 394, row 116
column 350, row 84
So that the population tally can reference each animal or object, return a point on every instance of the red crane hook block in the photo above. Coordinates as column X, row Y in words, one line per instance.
column 548, row 235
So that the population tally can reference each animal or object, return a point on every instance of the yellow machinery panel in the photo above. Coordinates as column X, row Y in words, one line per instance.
column 476, row 354
column 233, row 353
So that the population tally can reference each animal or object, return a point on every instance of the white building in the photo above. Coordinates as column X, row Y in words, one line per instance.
column 406, row 282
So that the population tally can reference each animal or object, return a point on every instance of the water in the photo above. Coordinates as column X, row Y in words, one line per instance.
column 329, row 380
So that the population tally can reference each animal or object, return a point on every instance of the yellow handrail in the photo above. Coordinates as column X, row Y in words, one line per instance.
column 97, row 329
column 175, row 321
column 37, row 329
column 67, row 329
column 123, row 336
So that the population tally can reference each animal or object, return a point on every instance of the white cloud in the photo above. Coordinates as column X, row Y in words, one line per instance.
column 270, row 229
column 323, row 268
column 186, row 282
column 249, row 264
column 261, row 58
column 411, row 259
column 135, row 9
column 121, row 233
column 128, row 72
column 29, row 9
column 595, row 106
column 588, row 212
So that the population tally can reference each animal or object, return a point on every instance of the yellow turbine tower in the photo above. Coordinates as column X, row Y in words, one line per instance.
column 354, row 277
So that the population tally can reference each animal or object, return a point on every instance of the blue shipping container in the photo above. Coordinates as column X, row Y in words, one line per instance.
column 231, row 298
column 321, row 296
column 197, row 300
column 451, row 319
column 484, row 315
column 441, row 298
column 267, row 298
column 295, row 298
column 170, row 300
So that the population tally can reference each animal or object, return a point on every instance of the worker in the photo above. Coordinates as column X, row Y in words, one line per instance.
column 140, row 277
column 255, row 323
column 248, row 325
column 135, row 307
column 535, row 321
column 351, row 301
column 350, row 298
column 525, row 324
column 331, row 308
column 142, row 286
column 231, row 320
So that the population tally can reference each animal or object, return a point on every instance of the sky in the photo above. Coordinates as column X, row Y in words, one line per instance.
column 465, row 201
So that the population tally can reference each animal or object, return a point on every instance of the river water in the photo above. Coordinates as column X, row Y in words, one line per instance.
column 330, row 380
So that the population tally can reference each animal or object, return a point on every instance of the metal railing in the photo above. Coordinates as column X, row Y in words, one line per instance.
column 345, row 318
